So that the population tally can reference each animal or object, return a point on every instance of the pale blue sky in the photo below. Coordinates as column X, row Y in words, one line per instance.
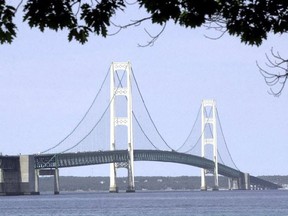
column 47, row 84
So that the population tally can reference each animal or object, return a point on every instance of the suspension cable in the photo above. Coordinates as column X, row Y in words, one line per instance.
column 218, row 153
column 202, row 132
column 154, row 125
column 191, row 149
column 93, row 102
column 225, row 140
column 220, row 157
column 134, row 115
column 190, row 130
column 101, row 117
column 138, row 123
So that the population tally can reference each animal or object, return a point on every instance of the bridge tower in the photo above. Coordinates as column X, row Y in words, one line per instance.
column 119, row 89
column 209, row 119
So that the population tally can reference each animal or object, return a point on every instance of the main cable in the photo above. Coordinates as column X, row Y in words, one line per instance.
column 225, row 140
column 190, row 130
column 93, row 102
column 134, row 115
column 218, row 152
column 154, row 125
column 78, row 143
column 220, row 157
column 202, row 132
column 138, row 123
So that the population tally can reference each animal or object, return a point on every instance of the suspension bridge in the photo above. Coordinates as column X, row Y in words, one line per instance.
column 20, row 174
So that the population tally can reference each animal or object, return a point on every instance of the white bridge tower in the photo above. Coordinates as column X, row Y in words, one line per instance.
column 209, row 119
column 119, row 89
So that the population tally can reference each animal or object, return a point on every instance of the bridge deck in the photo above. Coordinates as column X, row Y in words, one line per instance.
column 105, row 157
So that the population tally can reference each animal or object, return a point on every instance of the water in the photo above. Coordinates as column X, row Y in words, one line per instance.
column 221, row 203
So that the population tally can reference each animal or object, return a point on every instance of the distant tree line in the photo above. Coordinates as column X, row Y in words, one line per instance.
column 70, row 183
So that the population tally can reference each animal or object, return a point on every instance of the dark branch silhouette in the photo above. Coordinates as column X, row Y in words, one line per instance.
column 136, row 23
column 132, row 23
column 277, row 75
column 153, row 38
column 216, row 23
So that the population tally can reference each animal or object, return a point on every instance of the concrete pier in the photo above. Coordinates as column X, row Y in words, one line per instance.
column 17, row 175
column 56, row 182
column 51, row 172
column 247, row 184
column 242, row 183
column 27, row 175
column 1, row 180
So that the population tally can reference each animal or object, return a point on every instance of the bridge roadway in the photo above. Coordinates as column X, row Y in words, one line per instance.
column 45, row 161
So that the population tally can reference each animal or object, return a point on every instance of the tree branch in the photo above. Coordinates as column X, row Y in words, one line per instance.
column 153, row 38
column 20, row 3
column 216, row 23
column 132, row 23
column 278, row 76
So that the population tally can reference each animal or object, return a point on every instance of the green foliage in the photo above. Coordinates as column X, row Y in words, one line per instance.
column 250, row 20
column 53, row 14
column 98, row 18
column 195, row 13
column 162, row 11
column 7, row 27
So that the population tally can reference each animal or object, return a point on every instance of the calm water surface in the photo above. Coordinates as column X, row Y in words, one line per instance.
column 221, row 203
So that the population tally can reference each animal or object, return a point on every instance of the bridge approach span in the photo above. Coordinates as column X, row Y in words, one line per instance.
column 104, row 157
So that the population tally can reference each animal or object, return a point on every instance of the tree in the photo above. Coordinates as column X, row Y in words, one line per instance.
column 250, row 20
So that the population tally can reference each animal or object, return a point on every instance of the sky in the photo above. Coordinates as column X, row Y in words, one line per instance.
column 47, row 84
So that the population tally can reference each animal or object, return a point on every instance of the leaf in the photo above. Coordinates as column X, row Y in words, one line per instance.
column 7, row 26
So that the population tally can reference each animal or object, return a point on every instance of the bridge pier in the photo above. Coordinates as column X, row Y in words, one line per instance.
column 1, row 181
column 257, row 187
column 131, row 186
column 230, row 183
column 49, row 172
column 27, row 175
column 233, row 184
column 17, row 175
column 56, row 182
column 113, row 187
column 203, row 180
column 241, row 183
column 36, row 173
column 246, row 182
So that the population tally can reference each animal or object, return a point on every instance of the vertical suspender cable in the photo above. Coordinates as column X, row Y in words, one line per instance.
column 101, row 117
column 218, row 153
column 198, row 114
column 68, row 135
column 202, row 132
column 134, row 115
column 225, row 140
column 149, row 113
